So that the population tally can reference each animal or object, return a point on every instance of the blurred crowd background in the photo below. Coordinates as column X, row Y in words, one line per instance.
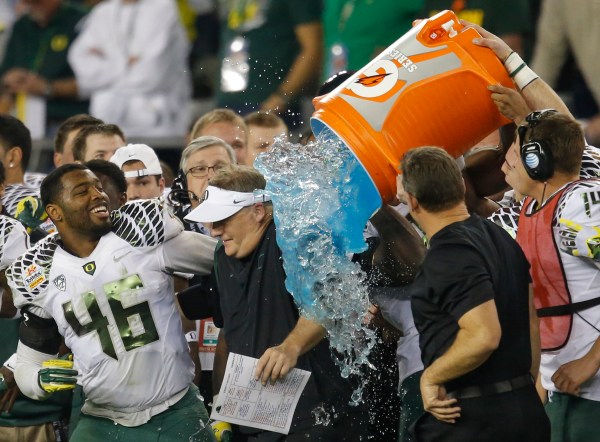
column 153, row 67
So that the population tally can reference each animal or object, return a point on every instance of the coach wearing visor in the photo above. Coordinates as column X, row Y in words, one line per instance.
column 257, row 315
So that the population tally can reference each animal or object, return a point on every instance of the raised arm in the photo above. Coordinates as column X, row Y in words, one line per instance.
column 536, row 92
column 189, row 252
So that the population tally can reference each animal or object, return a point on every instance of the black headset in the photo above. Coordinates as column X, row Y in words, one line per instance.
column 180, row 199
column 179, row 196
column 536, row 155
column 537, row 160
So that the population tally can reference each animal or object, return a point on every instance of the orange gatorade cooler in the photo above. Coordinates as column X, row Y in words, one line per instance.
column 428, row 88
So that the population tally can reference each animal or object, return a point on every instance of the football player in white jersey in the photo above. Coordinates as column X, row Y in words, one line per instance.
column 15, row 151
column 143, row 176
column 104, row 284
column 14, row 241
column 20, row 417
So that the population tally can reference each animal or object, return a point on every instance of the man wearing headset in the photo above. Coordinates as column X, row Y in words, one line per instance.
column 559, row 231
column 200, row 161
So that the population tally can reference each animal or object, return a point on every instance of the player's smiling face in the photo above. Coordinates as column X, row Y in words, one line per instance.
column 84, row 203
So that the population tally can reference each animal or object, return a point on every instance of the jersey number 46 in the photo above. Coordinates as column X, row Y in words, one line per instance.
column 135, row 323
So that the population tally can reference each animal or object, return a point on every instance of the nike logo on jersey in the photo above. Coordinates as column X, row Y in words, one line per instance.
column 119, row 258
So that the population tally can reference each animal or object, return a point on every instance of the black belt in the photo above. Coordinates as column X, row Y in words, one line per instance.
column 490, row 389
column 567, row 309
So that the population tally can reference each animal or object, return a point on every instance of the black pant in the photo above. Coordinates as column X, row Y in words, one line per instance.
column 516, row 416
column 350, row 427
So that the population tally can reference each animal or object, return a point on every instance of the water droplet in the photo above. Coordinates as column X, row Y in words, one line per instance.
column 320, row 212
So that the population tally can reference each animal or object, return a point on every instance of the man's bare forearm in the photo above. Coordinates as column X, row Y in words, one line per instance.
column 305, row 335
column 478, row 336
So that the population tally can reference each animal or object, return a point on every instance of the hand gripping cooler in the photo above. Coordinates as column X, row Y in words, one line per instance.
column 429, row 88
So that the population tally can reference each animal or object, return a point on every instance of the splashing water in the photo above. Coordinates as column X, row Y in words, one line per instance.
column 322, row 199
column 324, row 416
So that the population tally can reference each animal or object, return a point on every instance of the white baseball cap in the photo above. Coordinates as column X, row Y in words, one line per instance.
column 218, row 204
column 138, row 152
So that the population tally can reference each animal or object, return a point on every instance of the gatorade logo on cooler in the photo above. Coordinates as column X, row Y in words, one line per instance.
column 376, row 81
column 379, row 81
column 385, row 108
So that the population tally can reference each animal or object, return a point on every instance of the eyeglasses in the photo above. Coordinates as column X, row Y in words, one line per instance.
column 532, row 121
column 202, row 171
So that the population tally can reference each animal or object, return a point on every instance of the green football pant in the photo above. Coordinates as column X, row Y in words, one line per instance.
column 573, row 418
column 187, row 420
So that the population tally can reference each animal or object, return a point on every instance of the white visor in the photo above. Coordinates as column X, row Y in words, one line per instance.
column 218, row 204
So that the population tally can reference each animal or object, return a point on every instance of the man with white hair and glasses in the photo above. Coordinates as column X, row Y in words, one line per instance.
column 200, row 160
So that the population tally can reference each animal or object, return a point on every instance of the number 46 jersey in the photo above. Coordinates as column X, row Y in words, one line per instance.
column 116, row 308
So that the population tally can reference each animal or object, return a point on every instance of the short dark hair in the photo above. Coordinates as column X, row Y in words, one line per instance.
column 2, row 173
column 564, row 137
column 167, row 173
column 52, row 186
column 111, row 170
column 432, row 176
column 75, row 122
column 80, row 142
column 13, row 133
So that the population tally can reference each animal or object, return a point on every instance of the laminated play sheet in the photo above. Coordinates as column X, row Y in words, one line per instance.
column 245, row 401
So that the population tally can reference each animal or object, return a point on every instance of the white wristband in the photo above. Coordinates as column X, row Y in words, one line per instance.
column 191, row 336
column 524, row 77
column 521, row 74
column 11, row 363
column 513, row 61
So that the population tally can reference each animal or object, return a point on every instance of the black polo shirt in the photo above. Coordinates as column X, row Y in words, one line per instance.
column 257, row 312
column 469, row 263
